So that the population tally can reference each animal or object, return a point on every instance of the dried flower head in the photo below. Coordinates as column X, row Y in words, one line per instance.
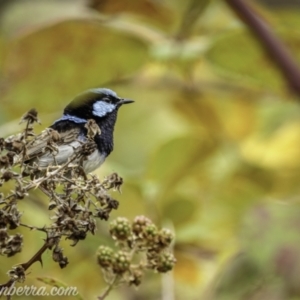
column 17, row 273
column 30, row 117
column 92, row 128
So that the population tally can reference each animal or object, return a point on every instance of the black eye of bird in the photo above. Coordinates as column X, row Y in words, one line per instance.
column 108, row 100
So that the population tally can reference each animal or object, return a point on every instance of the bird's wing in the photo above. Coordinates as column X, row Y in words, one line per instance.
column 48, row 140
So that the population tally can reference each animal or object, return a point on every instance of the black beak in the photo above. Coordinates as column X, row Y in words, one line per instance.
column 125, row 101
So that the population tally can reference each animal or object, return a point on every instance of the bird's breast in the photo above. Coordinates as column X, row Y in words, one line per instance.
column 66, row 151
column 93, row 161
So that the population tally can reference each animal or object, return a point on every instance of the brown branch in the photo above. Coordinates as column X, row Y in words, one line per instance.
column 273, row 45
column 36, row 257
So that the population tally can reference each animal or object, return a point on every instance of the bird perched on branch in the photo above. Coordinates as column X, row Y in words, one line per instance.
column 87, row 124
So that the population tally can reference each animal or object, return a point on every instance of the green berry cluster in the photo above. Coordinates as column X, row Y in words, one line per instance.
column 142, row 247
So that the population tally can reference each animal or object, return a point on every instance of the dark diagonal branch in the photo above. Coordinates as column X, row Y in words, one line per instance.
column 273, row 45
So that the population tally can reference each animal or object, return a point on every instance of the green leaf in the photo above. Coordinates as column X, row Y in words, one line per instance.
column 57, row 62
column 180, row 210
column 19, row 17
column 172, row 158
column 177, row 159
column 154, row 11
column 241, row 57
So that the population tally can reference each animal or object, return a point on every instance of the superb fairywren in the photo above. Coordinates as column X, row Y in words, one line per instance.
column 100, row 105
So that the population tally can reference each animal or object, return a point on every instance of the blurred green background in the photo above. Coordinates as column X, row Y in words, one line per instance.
column 210, row 149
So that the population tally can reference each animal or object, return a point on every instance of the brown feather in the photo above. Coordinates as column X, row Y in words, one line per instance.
column 47, row 139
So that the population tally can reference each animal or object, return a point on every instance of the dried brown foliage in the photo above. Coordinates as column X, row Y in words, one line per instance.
column 76, row 201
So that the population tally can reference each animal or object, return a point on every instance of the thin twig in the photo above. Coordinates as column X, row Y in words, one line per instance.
column 44, row 229
column 108, row 288
column 36, row 183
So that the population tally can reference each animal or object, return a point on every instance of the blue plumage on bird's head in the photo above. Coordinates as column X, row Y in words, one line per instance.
column 98, row 102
